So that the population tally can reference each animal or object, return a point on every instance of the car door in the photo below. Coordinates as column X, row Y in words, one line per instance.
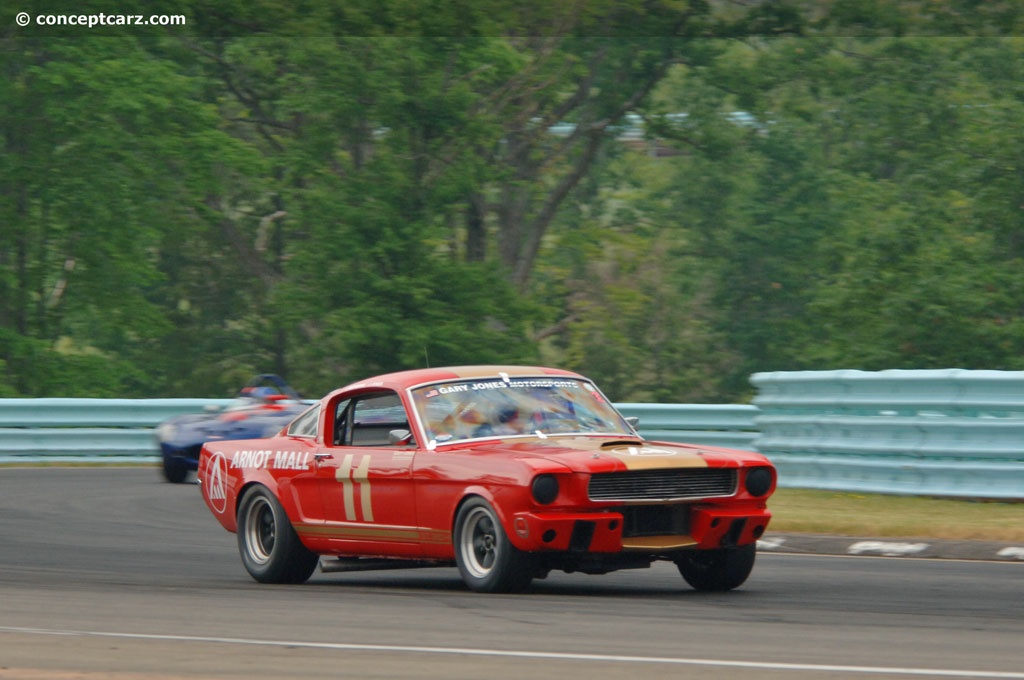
column 366, row 480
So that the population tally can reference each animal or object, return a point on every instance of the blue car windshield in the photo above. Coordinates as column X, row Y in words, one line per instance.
column 510, row 407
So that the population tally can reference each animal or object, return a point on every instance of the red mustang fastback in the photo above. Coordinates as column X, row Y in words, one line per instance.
column 506, row 471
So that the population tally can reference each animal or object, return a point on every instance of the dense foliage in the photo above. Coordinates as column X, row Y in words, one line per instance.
column 667, row 196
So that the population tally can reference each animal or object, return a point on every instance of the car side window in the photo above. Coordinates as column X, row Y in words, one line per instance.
column 342, row 435
column 368, row 420
column 306, row 424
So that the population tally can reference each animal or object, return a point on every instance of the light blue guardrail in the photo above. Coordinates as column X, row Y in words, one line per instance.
column 729, row 425
column 953, row 433
column 121, row 430
column 87, row 430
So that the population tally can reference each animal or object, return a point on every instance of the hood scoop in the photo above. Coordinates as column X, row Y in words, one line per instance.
column 621, row 442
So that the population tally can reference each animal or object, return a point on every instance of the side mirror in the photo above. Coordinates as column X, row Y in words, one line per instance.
column 634, row 422
column 399, row 437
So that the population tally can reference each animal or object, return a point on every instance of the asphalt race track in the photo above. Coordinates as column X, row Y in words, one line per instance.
column 111, row 573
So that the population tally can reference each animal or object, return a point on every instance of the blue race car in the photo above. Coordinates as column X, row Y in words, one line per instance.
column 261, row 408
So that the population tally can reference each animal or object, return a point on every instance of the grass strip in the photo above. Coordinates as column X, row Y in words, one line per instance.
column 842, row 513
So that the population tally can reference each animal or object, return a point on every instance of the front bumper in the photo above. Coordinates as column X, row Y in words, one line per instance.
column 187, row 456
column 640, row 530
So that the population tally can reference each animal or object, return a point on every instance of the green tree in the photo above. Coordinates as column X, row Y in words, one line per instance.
column 852, row 231
column 100, row 141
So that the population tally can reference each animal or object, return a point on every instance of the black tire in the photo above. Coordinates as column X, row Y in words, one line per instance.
column 718, row 570
column 175, row 470
column 487, row 561
column 271, row 550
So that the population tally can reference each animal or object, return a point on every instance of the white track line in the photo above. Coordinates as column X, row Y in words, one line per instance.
column 526, row 654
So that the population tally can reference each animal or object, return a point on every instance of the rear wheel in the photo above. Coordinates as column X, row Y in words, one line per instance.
column 487, row 561
column 271, row 550
column 718, row 570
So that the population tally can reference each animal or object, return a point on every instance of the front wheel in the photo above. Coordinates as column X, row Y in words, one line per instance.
column 487, row 561
column 718, row 570
column 175, row 470
column 271, row 550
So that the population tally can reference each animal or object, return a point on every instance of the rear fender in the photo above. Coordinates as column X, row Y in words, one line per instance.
column 264, row 479
column 223, row 487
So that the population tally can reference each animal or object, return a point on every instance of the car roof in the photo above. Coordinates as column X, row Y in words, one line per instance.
column 405, row 379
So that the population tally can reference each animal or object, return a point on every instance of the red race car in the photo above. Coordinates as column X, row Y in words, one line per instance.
column 506, row 471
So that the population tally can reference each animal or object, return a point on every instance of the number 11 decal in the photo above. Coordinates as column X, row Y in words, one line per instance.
column 350, row 479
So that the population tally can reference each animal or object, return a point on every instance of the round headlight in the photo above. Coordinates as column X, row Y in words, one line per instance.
column 545, row 489
column 164, row 432
column 758, row 481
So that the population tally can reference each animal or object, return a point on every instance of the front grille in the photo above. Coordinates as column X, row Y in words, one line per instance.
column 662, row 485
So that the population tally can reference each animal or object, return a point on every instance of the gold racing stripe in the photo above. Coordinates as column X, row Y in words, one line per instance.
column 374, row 533
column 343, row 475
column 648, row 457
column 652, row 543
column 494, row 373
column 362, row 478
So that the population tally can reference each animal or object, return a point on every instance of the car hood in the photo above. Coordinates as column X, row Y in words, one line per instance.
column 600, row 454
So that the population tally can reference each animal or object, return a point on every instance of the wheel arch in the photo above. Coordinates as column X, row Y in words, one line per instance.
column 286, row 500
column 478, row 492
column 505, row 517
column 467, row 496
column 242, row 491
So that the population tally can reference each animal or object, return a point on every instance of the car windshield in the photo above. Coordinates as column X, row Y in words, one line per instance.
column 508, row 407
